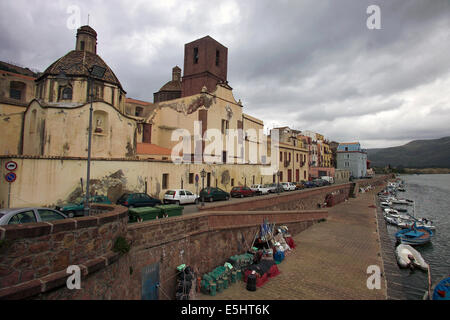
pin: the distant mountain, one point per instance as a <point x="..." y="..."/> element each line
<point x="415" y="154"/>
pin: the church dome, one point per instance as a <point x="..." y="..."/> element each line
<point x="77" y="63"/>
<point x="172" y="85"/>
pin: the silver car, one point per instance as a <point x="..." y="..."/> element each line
<point x="29" y="215"/>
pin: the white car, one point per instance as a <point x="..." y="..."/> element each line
<point x="288" y="186"/>
<point x="260" y="189"/>
<point x="180" y="196"/>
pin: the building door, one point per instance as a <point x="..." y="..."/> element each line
<point x="147" y="133"/>
<point x="289" y="175"/>
<point x="150" y="282"/>
<point x="297" y="175"/>
<point x="208" y="179"/>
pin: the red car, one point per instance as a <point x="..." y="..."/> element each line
<point x="242" y="192"/>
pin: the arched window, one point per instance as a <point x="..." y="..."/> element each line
<point x="33" y="121"/>
<point x="65" y="93"/>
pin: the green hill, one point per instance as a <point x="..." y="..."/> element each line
<point x="415" y="154"/>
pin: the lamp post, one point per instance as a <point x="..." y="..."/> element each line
<point x="278" y="185"/>
<point x="98" y="72"/>
<point x="203" y="174"/>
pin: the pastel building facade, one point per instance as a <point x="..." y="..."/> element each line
<point x="351" y="157"/>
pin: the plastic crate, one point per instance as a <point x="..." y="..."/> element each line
<point x="170" y="210"/>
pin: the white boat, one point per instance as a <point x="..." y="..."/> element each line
<point x="422" y="222"/>
<point x="385" y="204"/>
<point x="402" y="201"/>
<point x="408" y="257"/>
<point x="390" y="211"/>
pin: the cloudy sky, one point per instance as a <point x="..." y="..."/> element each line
<point x="309" y="64"/>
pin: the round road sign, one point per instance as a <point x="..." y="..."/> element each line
<point x="11" y="165"/>
<point x="10" y="177"/>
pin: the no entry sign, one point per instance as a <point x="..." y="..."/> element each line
<point x="11" y="165"/>
<point x="10" y="177"/>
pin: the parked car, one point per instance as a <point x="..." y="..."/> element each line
<point x="132" y="200"/>
<point x="288" y="186"/>
<point x="320" y="182"/>
<point x="77" y="209"/>
<point x="29" y="215"/>
<point x="180" y="196"/>
<point x="271" y="187"/>
<point x="211" y="194"/>
<point x="300" y="185"/>
<point x="310" y="184"/>
<point x="242" y="192"/>
<point x="276" y="188"/>
<point x="260" y="189"/>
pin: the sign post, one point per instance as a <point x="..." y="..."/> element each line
<point x="10" y="177"/>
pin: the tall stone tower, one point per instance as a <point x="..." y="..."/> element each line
<point x="205" y="64"/>
<point x="86" y="39"/>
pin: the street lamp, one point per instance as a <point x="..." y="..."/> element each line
<point x="98" y="72"/>
<point x="278" y="185"/>
<point x="203" y="175"/>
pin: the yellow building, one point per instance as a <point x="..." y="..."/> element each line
<point x="133" y="141"/>
<point x="293" y="156"/>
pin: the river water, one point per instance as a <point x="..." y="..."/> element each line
<point x="431" y="193"/>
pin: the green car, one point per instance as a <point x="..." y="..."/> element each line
<point x="77" y="209"/>
<point x="211" y="194"/>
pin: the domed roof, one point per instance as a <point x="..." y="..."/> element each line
<point x="88" y="30"/>
<point x="173" y="85"/>
<point x="72" y="65"/>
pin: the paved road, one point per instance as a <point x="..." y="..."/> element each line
<point x="192" y="208"/>
<point x="329" y="263"/>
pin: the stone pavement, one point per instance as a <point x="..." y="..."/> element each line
<point x="330" y="261"/>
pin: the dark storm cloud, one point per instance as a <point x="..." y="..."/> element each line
<point x="309" y="64"/>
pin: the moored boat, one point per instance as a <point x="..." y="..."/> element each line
<point x="415" y="235"/>
<point x="408" y="257"/>
<point x="440" y="291"/>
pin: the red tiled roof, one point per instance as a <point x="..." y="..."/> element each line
<point x="144" y="103"/>
<point x="149" y="148"/>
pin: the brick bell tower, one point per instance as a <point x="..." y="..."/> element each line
<point x="205" y="64"/>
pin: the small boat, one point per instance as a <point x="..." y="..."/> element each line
<point x="402" y="202"/>
<point x="401" y="189"/>
<point x="423" y="222"/>
<point x="408" y="257"/>
<point x="414" y="235"/>
<point x="385" y="204"/>
<point x="440" y="291"/>
<point x="390" y="211"/>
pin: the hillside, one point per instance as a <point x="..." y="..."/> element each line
<point x="415" y="154"/>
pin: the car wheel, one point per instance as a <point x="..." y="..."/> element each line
<point x="227" y="198"/>
<point x="71" y="214"/>
<point x="242" y="195"/>
<point x="196" y="201"/>
<point x="177" y="202"/>
<point x="211" y="199"/>
<point x="130" y="207"/>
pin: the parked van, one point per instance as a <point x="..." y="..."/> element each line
<point x="329" y="179"/>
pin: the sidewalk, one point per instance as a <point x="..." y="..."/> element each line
<point x="329" y="263"/>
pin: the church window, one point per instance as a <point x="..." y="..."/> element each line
<point x="217" y="57"/>
<point x="195" y="55"/>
